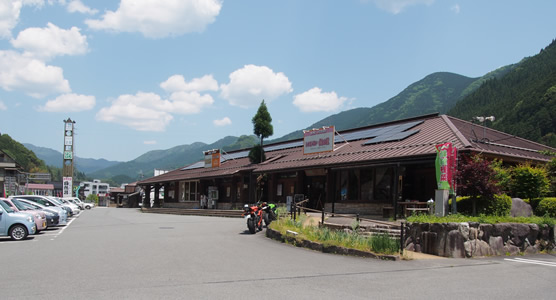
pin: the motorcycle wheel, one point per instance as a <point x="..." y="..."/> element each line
<point x="251" y="226"/>
<point x="260" y="223"/>
<point x="267" y="219"/>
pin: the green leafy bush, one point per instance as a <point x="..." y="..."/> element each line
<point x="497" y="205"/>
<point x="547" y="206"/>
<point x="529" y="182"/>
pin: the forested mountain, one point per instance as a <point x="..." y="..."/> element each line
<point x="523" y="101"/>
<point x="23" y="156"/>
<point x="54" y="158"/>
<point x="169" y="159"/>
<point x="437" y="92"/>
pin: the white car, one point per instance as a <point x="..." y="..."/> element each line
<point x="83" y="205"/>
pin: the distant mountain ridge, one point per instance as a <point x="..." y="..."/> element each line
<point x="54" y="158"/>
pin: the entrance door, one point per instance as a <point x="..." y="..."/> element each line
<point x="316" y="190"/>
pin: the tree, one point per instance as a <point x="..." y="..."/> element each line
<point x="476" y="178"/>
<point x="262" y="127"/>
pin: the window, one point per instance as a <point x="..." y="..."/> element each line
<point x="188" y="191"/>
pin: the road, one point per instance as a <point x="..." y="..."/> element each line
<point x="111" y="253"/>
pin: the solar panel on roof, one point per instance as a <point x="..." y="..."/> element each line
<point x="196" y="165"/>
<point x="390" y="138"/>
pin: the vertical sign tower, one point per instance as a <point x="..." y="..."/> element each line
<point x="67" y="171"/>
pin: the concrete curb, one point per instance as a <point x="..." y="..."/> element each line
<point x="290" y="239"/>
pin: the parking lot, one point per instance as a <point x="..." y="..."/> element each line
<point x="109" y="253"/>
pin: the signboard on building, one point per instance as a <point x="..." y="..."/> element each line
<point x="318" y="140"/>
<point x="212" y="158"/>
<point x="67" y="186"/>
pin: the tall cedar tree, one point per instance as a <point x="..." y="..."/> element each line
<point x="262" y="127"/>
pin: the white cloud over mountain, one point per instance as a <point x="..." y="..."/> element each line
<point x="159" y="19"/>
<point x="315" y="100"/>
<point x="251" y="84"/>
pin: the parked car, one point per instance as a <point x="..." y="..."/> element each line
<point x="74" y="208"/>
<point x="47" y="202"/>
<point x="75" y="201"/>
<point x="82" y="204"/>
<point x="38" y="216"/>
<point x="62" y="205"/>
<point x="52" y="216"/>
<point x="16" y="225"/>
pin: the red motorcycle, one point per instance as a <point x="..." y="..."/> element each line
<point x="254" y="216"/>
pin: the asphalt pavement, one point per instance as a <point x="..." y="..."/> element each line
<point x="117" y="253"/>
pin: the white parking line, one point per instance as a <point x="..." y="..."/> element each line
<point x="531" y="261"/>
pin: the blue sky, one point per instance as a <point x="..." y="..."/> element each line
<point x="141" y="75"/>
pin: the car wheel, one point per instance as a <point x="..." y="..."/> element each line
<point x="88" y="207"/>
<point x="18" y="232"/>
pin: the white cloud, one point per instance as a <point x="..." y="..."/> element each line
<point x="78" y="6"/>
<point x="9" y="16"/>
<point x="251" y="84"/>
<point x="149" y="142"/>
<point x="70" y="103"/>
<point x="30" y="75"/>
<point x="315" y="100"/>
<point x="222" y="122"/>
<point x="456" y="8"/>
<point x="189" y="103"/>
<point x="158" y="19"/>
<point x="149" y="112"/>
<point x="143" y="112"/>
<point x="397" y="6"/>
<point x="177" y="83"/>
<point x="51" y="41"/>
<point x="3" y="106"/>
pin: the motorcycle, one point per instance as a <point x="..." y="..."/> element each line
<point x="254" y="216"/>
<point x="269" y="214"/>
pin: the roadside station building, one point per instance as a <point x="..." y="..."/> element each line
<point x="362" y="170"/>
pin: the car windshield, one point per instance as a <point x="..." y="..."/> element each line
<point x="33" y="204"/>
<point x="19" y="205"/>
<point x="6" y="207"/>
<point x="54" y="201"/>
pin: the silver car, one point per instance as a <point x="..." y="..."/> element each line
<point x="45" y="202"/>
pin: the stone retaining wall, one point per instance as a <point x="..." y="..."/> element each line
<point x="471" y="239"/>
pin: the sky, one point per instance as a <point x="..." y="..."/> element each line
<point x="143" y="75"/>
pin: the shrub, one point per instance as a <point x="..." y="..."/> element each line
<point x="476" y="177"/>
<point x="529" y="182"/>
<point x="547" y="206"/>
<point x="497" y="205"/>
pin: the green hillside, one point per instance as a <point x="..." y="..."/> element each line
<point x="437" y="92"/>
<point x="169" y="159"/>
<point x="523" y="101"/>
<point x="23" y="156"/>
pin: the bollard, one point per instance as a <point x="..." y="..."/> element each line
<point x="401" y="237"/>
<point x="322" y="218"/>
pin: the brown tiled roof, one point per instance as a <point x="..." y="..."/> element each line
<point x="432" y="131"/>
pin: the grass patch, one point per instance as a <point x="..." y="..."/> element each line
<point x="483" y="219"/>
<point x="379" y="244"/>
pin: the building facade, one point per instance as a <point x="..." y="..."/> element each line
<point x="365" y="171"/>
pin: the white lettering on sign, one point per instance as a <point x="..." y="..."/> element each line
<point x="318" y="140"/>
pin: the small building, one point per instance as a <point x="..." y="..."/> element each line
<point x="94" y="187"/>
<point x="364" y="170"/>
<point x="43" y="189"/>
<point x="11" y="175"/>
